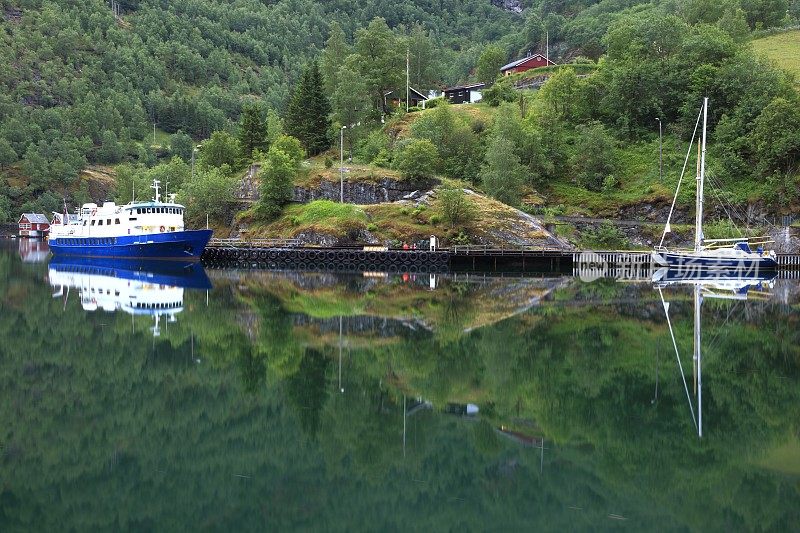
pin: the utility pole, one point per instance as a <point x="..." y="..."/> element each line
<point x="547" y="47"/>
<point x="408" y="76"/>
<point x="341" y="164"/>
<point x="660" y="153"/>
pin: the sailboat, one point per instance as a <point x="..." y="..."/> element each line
<point x="711" y="254"/>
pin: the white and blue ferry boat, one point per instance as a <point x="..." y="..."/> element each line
<point x="151" y="230"/>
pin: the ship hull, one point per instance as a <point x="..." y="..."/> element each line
<point x="177" y="245"/>
<point x="705" y="262"/>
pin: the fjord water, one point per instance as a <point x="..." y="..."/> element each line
<point x="286" y="401"/>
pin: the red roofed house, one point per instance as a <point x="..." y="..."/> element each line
<point x="526" y="63"/>
<point x="33" y="225"/>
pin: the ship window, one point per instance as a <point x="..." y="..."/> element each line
<point x="93" y="222"/>
<point x="100" y="223"/>
<point x="149" y="209"/>
<point x="116" y="221"/>
<point x="108" y="222"/>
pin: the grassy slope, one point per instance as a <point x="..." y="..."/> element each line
<point x="783" y="49"/>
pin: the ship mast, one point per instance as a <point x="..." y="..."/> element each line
<point x="698" y="223"/>
<point x="154" y="186"/>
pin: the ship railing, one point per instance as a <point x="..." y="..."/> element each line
<point x="254" y="243"/>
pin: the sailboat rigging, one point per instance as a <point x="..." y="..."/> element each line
<point x="716" y="254"/>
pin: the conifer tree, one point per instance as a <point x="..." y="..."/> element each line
<point x="252" y="131"/>
<point x="307" y="117"/>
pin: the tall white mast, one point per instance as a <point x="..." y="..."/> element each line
<point x="698" y="222"/>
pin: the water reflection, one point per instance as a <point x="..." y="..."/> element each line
<point x="140" y="288"/>
<point x="33" y="250"/>
<point x="109" y="428"/>
<point x="719" y="284"/>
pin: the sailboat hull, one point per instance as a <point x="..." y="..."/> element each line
<point x="745" y="262"/>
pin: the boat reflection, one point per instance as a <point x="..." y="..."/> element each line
<point x="721" y="284"/>
<point x="149" y="288"/>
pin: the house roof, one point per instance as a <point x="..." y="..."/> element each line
<point x="34" y="218"/>
<point x="465" y="87"/>
<point x="518" y="62"/>
<point x="413" y="90"/>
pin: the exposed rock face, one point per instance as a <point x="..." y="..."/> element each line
<point x="515" y="6"/>
<point x="364" y="192"/>
<point x="248" y="187"/>
<point x="355" y="192"/>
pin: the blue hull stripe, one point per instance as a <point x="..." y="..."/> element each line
<point x="173" y="245"/>
<point x="686" y="262"/>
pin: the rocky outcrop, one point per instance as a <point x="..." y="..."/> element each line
<point x="362" y="192"/>
<point x="515" y="6"/>
<point x="365" y="192"/>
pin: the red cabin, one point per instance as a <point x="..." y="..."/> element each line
<point x="526" y="63"/>
<point x="33" y="225"/>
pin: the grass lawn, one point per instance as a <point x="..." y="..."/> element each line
<point x="783" y="49"/>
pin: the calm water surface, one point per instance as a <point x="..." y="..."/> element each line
<point x="288" y="401"/>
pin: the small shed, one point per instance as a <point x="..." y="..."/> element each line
<point x="465" y="94"/>
<point x="526" y="63"/>
<point x="33" y="225"/>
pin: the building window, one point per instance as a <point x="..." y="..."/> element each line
<point x="100" y="223"/>
<point x="116" y="221"/>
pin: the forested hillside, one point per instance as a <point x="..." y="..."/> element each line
<point x="87" y="88"/>
<point x="83" y="87"/>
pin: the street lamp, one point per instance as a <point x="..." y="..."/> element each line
<point x="341" y="164"/>
<point x="660" y="153"/>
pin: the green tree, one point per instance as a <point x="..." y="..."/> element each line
<point x="333" y="57"/>
<point x="221" y="149"/>
<point x="277" y="177"/>
<point x="423" y="58"/>
<point x="307" y="117"/>
<point x="776" y="137"/>
<point x="501" y="91"/>
<point x="351" y="99"/>
<point x="459" y="147"/>
<point x="292" y="148"/>
<point x="417" y="159"/>
<point x="181" y="145"/>
<point x="274" y="126"/>
<point x="503" y="174"/>
<point x="595" y="156"/>
<point x="764" y="13"/>
<point x="5" y="209"/>
<point x="380" y="59"/>
<point x="111" y="150"/>
<point x="456" y="207"/>
<point x="253" y="131"/>
<point x="734" y="23"/>
<point x="7" y="154"/>
<point x="211" y="193"/>
<point x="491" y="59"/>
<point x="563" y="94"/>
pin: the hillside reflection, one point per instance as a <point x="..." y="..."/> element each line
<point x="299" y="401"/>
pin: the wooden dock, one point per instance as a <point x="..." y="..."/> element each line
<point x="291" y="254"/>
